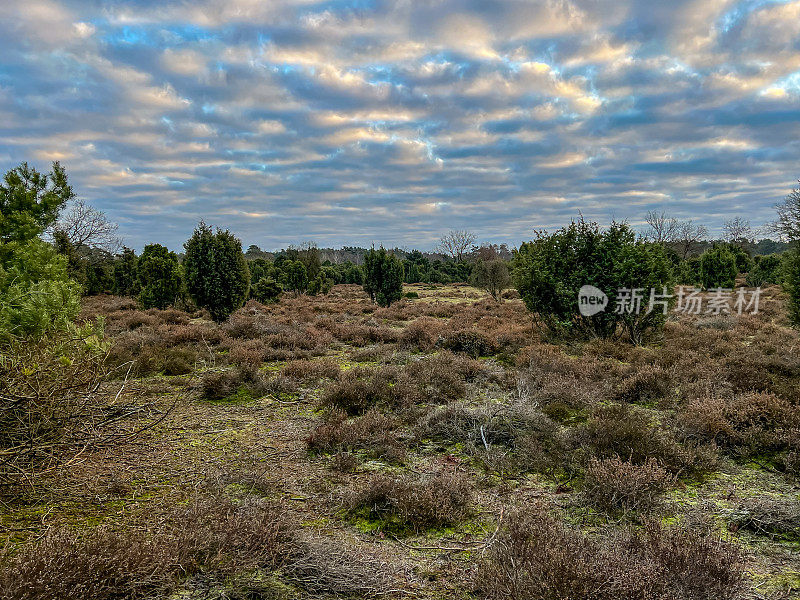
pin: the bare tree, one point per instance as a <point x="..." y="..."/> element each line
<point x="788" y="224"/>
<point x="737" y="231"/>
<point x="86" y="226"/>
<point x="456" y="243"/>
<point x="688" y="236"/>
<point x="662" y="228"/>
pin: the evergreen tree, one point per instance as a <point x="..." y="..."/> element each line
<point x="383" y="276"/>
<point x="159" y="277"/>
<point x="125" y="279"/>
<point x="718" y="267"/>
<point x="295" y="276"/>
<point x="217" y="277"/>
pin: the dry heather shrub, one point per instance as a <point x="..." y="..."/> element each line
<point x="412" y="503"/>
<point x="550" y="377"/>
<point x="145" y="352"/>
<point x="134" y="319"/>
<point x="440" y="378"/>
<point x="537" y="557"/>
<point x="612" y="484"/>
<point x="506" y="438"/>
<point x="620" y="430"/>
<point x="421" y="334"/>
<point x="312" y="369"/>
<point x="468" y="341"/>
<point x="251" y="321"/>
<point x="359" y="389"/>
<point x="180" y="360"/>
<point x="219" y="385"/>
<point x="216" y="385"/>
<point x="748" y="424"/>
<point x="211" y="535"/>
<point x="376" y="353"/>
<point x="648" y="384"/>
<point x="247" y="354"/>
<point x="361" y="334"/>
<point x="777" y="518"/>
<point x="373" y="432"/>
<point x="279" y="386"/>
<point x="171" y="316"/>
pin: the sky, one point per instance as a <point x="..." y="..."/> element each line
<point x="366" y="121"/>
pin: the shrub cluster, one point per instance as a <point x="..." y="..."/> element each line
<point x="612" y="484"/>
<point x="404" y="504"/>
<point x="538" y="557"/>
<point x="549" y="272"/>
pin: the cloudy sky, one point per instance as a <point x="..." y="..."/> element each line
<point x="351" y="122"/>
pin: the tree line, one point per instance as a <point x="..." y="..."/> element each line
<point x="42" y="280"/>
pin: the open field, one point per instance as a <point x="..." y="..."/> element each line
<point x="323" y="446"/>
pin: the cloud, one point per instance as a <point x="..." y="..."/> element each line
<point x="349" y="122"/>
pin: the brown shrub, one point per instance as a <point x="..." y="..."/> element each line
<point x="746" y="424"/>
<point x="212" y="535"/>
<point x="773" y="517"/>
<point x="620" y="430"/>
<point x="359" y="389"/>
<point x="221" y="384"/>
<point x="612" y="484"/>
<point x="146" y="353"/>
<point x="421" y="334"/>
<point x="648" y="384"/>
<point x="249" y="323"/>
<point x="312" y="369"/>
<point x="524" y="438"/>
<point x="438" y="378"/>
<point x="539" y="558"/>
<point x="134" y="319"/>
<point x="180" y="360"/>
<point x="413" y="504"/>
<point x="471" y="342"/>
<point x="216" y="385"/>
<point x="372" y="432"/>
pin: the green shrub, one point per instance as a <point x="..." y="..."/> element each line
<point x="718" y="267"/>
<point x="766" y="270"/>
<point x="217" y="277"/>
<point x="791" y="282"/>
<point x="688" y="272"/>
<point x="266" y="290"/>
<point x="744" y="262"/>
<point x="30" y="201"/>
<point x="126" y="282"/>
<point x="383" y="276"/>
<point x="549" y="272"/>
<point x="294" y="276"/>
<point x="320" y="285"/>
<point x="159" y="276"/>
<point x="36" y="295"/>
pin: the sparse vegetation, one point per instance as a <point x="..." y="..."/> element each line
<point x="333" y="441"/>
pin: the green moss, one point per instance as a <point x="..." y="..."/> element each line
<point x="240" y="396"/>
